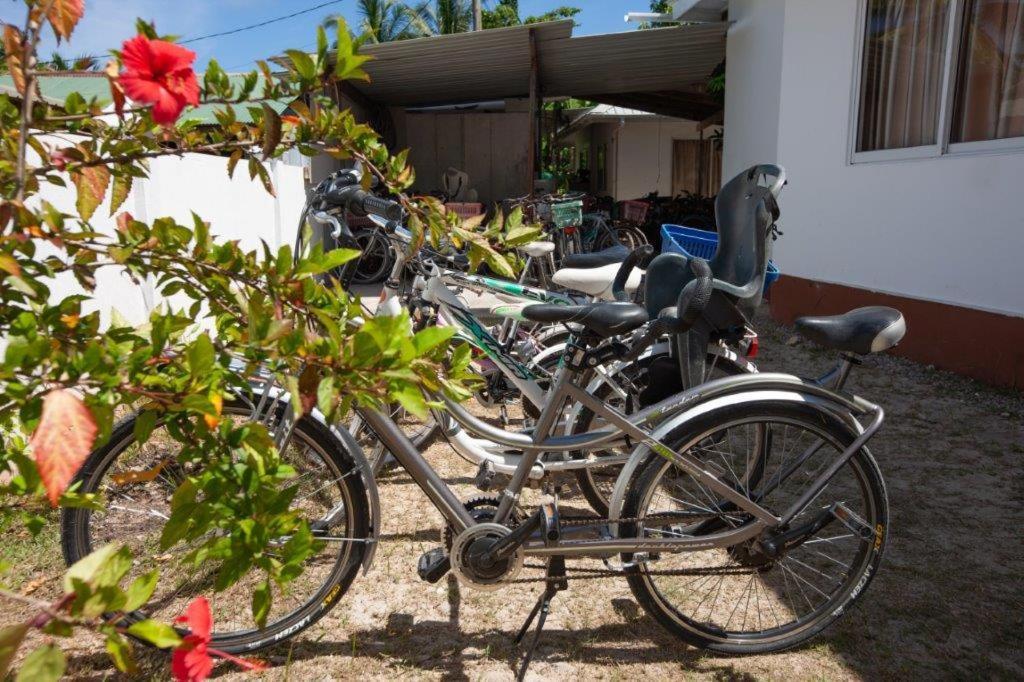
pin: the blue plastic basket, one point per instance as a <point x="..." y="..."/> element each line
<point x="690" y="241"/>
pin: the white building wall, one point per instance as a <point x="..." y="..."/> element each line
<point x="639" y="155"/>
<point x="946" y="229"/>
<point x="753" y="78"/>
<point x="237" y="208"/>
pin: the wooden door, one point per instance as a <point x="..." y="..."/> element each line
<point x="696" y="167"/>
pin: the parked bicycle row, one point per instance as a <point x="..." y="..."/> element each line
<point x="743" y="508"/>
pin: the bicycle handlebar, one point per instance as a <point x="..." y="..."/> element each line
<point x="359" y="201"/>
<point x="641" y="256"/>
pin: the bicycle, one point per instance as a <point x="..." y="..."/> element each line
<point x="725" y="485"/>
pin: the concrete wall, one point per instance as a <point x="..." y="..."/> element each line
<point x="947" y="229"/>
<point x="236" y="208"/>
<point x="753" y="76"/>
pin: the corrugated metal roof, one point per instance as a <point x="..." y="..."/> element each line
<point x="56" y="87"/>
<point x="460" y="67"/>
<point x="495" y="64"/>
<point x="657" y="59"/>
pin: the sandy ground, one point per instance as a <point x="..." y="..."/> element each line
<point x="947" y="602"/>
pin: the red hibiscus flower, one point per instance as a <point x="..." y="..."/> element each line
<point x="192" y="661"/>
<point x="159" y="73"/>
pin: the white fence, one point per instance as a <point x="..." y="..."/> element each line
<point x="237" y="208"/>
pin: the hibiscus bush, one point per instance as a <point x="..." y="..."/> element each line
<point x="64" y="375"/>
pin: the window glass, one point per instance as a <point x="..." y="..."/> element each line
<point x="990" y="78"/>
<point x="901" y="73"/>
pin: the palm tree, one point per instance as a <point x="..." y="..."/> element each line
<point x="385" y="21"/>
<point x="442" y="17"/>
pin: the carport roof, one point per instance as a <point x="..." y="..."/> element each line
<point x="660" y="70"/>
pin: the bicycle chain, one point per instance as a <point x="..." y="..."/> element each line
<point x="598" y="573"/>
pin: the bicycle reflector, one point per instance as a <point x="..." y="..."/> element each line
<point x="752" y="344"/>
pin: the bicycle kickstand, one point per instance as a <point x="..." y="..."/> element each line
<point x="556" y="582"/>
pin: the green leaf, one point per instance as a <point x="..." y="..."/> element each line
<point x="160" y="635"/>
<point x="120" y="651"/>
<point x="141" y="589"/>
<point x="327" y="262"/>
<point x="145" y="422"/>
<point x="524" y="234"/>
<point x="91" y="183"/>
<point x="430" y="338"/>
<point x="200" y="356"/>
<point x="303" y="64"/>
<point x="88" y="567"/>
<point x="233" y="161"/>
<point x="10" y="640"/>
<point x="411" y="398"/>
<point x="119" y="191"/>
<point x="45" y="664"/>
<point x="261" y="600"/>
<point x="325" y="398"/>
<point x="293" y="388"/>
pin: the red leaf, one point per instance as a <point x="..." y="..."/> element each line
<point x="63" y="16"/>
<point x="13" y="48"/>
<point x="62" y="440"/>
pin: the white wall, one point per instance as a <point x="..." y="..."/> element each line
<point x="753" y="75"/>
<point x="945" y="229"/>
<point x="639" y="154"/>
<point x="236" y="208"/>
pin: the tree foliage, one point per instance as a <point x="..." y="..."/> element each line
<point x="64" y="374"/>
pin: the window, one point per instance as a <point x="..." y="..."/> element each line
<point x="901" y="77"/>
<point x="939" y="76"/>
<point x="990" y="75"/>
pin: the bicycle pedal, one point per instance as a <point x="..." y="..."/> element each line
<point x="433" y="565"/>
<point x="487" y="479"/>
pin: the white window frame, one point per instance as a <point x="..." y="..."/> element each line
<point x="943" y="146"/>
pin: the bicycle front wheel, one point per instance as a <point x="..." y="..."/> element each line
<point x="738" y="600"/>
<point x="330" y="496"/>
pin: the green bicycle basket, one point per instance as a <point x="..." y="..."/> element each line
<point x="567" y="213"/>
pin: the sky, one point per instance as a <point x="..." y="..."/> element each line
<point x="109" y="22"/>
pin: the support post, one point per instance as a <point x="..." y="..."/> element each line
<point x="534" y="156"/>
<point x="478" y="16"/>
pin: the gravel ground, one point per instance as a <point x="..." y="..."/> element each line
<point x="947" y="602"/>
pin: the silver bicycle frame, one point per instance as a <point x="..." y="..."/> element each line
<point x="638" y="427"/>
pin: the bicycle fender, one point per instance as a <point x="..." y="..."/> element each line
<point x="674" y="421"/>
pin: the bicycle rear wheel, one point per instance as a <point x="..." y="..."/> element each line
<point x="331" y="496"/>
<point x="738" y="599"/>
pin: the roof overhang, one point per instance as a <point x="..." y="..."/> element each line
<point x="698" y="10"/>
<point x="659" y="70"/>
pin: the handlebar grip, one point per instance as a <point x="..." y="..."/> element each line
<point x="385" y="208"/>
<point x="641" y="256"/>
<point x="361" y="202"/>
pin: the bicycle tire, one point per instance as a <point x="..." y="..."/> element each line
<point x="76" y="543"/>
<point x="705" y="634"/>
